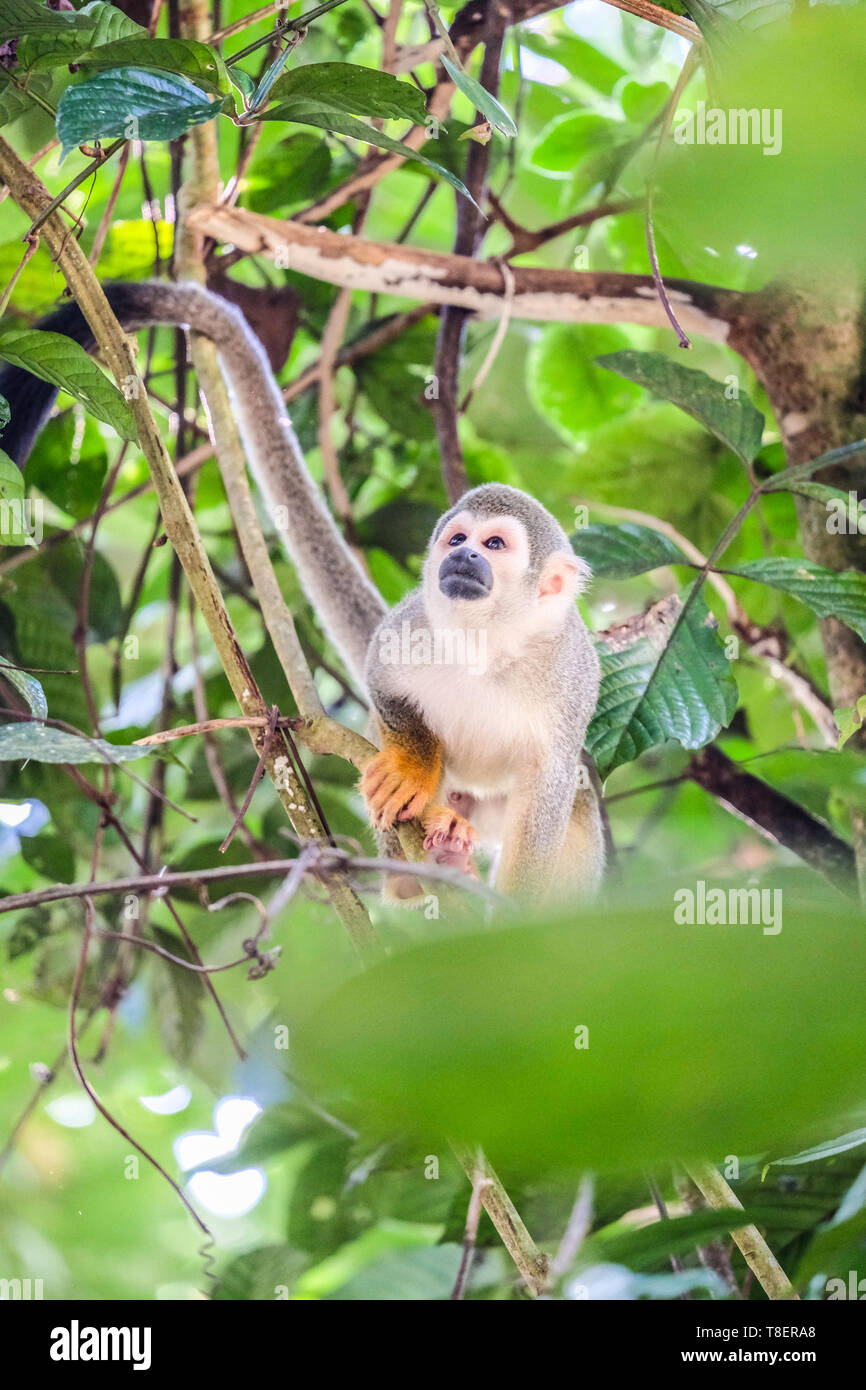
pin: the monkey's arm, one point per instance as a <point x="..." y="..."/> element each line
<point x="341" y="594"/>
<point x="401" y="781"/>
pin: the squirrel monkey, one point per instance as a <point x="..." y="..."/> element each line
<point x="483" y="680"/>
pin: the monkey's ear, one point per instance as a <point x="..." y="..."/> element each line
<point x="563" y="573"/>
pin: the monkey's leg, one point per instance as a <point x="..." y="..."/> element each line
<point x="580" y="866"/>
<point x="448" y="835"/>
<point x="537" y="823"/>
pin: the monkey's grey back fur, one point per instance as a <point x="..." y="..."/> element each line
<point x="346" y="602"/>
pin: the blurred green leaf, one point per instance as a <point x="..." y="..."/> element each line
<point x="700" y="1039"/>
<point x="565" y="384"/>
<point x="267" y="1273"/>
<point x="50" y="856"/>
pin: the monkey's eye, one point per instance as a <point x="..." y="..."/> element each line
<point x="494" y="543"/>
<point x="458" y="539"/>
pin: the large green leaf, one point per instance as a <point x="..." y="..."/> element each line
<point x="582" y="60"/>
<point x="41" y="744"/>
<point x="328" y="118"/>
<point x="481" y="99"/>
<point x="348" y="88"/>
<point x="184" y="57"/>
<point x="735" y="422"/>
<point x="769" y="192"/>
<point x="63" y="45"/>
<point x="662" y="688"/>
<point x="130" y="102"/>
<point x="621" y="552"/>
<point x="54" y="357"/>
<point x="478" y="1036"/>
<point x="829" y="593"/>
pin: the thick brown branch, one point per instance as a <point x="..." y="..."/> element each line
<point x="540" y="293"/>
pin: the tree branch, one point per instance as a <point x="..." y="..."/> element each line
<point x="540" y="293"/>
<point x="775" y="816"/>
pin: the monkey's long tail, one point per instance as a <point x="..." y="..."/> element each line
<point x="348" y="605"/>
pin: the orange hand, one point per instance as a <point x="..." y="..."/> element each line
<point x="397" y="786"/>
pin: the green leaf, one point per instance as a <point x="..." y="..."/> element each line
<point x="568" y="139"/>
<point x="829" y="593"/>
<point x="14" y="102"/>
<point x="659" y="689"/>
<point x="50" y="856"/>
<point x="60" y="46"/>
<point x="565" y="384"/>
<point x="277" y="1129"/>
<point x="26" y="685"/>
<point x="13" y="509"/>
<point x="583" y="60"/>
<point x="425" y="1274"/>
<point x="348" y="88"/>
<point x="481" y="99"/>
<point x="852" y="1140"/>
<point x="177" y="999"/>
<point x="849" y="720"/>
<point x="41" y="744"/>
<point x="69" y="467"/>
<point x="54" y="357"/>
<point x="642" y="103"/>
<point x="327" y="118"/>
<point x="261" y="1275"/>
<point x="475" y="1036"/>
<point x="735" y="422"/>
<point x="5" y="413"/>
<point x="183" y="57"/>
<point x="623" y="551"/>
<point x="291" y="171"/>
<point x="642" y="1248"/>
<point x="20" y="17"/>
<point x="130" y="102"/>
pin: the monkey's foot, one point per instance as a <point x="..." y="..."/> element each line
<point x="396" y="786"/>
<point x="449" y="837"/>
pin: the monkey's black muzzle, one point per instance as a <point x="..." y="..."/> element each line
<point x="465" y="574"/>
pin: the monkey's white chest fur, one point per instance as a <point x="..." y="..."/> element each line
<point x="487" y="723"/>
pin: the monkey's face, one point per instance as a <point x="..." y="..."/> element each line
<point x="479" y="558"/>
<point x="479" y="571"/>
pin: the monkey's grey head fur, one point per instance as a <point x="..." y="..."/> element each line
<point x="543" y="531"/>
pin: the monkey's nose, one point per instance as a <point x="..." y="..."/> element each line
<point x="472" y="555"/>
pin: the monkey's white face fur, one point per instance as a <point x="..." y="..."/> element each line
<point x="517" y="601"/>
